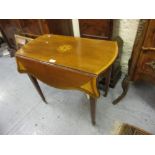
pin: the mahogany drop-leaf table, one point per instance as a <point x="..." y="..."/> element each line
<point x="68" y="63"/>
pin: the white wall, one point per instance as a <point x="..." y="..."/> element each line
<point x="76" y="30"/>
<point x="126" y="29"/>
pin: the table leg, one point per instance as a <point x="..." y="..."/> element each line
<point x="107" y="81"/>
<point x="36" y="85"/>
<point x="125" y="86"/>
<point x="93" y="109"/>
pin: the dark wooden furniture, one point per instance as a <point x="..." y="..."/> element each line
<point x="142" y="61"/>
<point x="103" y="29"/>
<point x="10" y="27"/>
<point x="60" y="26"/>
<point x="57" y="61"/>
<point x="96" y="28"/>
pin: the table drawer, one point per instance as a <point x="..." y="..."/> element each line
<point x="147" y="62"/>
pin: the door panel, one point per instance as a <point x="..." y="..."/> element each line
<point x="96" y="28"/>
<point x="31" y="26"/>
<point x="150" y="35"/>
<point x="60" y="26"/>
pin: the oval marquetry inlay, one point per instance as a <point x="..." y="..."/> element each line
<point x="64" y="48"/>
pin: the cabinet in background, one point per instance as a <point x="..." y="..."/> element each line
<point x="10" y="27"/>
<point x="142" y="61"/>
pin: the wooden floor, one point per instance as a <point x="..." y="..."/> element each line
<point x="67" y="112"/>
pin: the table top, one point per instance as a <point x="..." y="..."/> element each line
<point x="88" y="55"/>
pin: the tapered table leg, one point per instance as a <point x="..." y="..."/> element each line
<point x="125" y="86"/>
<point x="36" y="85"/>
<point x="93" y="109"/>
